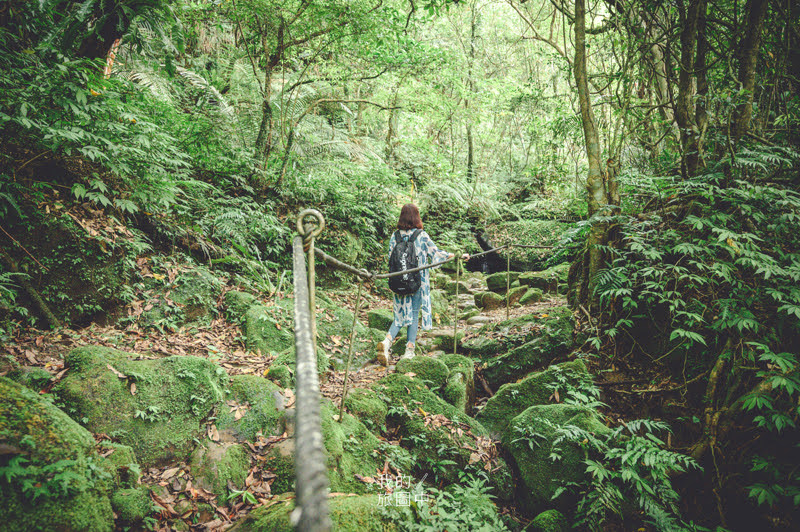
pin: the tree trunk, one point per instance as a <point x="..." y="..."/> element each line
<point x="684" y="108"/>
<point x="748" y="54"/>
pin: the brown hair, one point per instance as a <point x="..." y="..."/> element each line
<point x="409" y="218"/>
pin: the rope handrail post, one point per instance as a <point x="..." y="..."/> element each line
<point x="311" y="509"/>
<point x="455" y="318"/>
<point x="508" y="282"/>
<point x="350" y="349"/>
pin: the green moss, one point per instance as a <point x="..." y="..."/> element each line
<point x="132" y="505"/>
<point x="535" y="389"/>
<point x="441" y="310"/>
<point x="459" y="392"/>
<point x="288" y="361"/>
<point x="469" y="312"/>
<point x="444" y="340"/>
<point x="430" y="370"/>
<point x="548" y="521"/>
<point x="266" y="330"/>
<point x="482" y="346"/>
<point x="237" y="303"/>
<point x="540" y="474"/>
<point x="31" y="377"/>
<point x="516" y="293"/>
<point x="174" y="396"/>
<point x="411" y="403"/>
<point x="194" y="293"/>
<point x="489" y="300"/>
<point x="380" y="319"/>
<point x="496" y="282"/>
<point x="348" y="514"/>
<point x="64" y="453"/>
<point x="533" y="295"/>
<point x="537" y="232"/>
<point x="264" y="402"/>
<point x="365" y="404"/>
<point x="215" y="465"/>
<point x="121" y="465"/>
<point x="546" y="280"/>
<point x="449" y="287"/>
<point x="281" y="375"/>
<point x="455" y="392"/>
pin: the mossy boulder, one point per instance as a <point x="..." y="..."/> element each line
<point x="482" y="346"/>
<point x="469" y="313"/>
<point x="532" y="295"/>
<point x="59" y="456"/>
<point x="450" y="287"/>
<point x="547" y="280"/>
<point x="160" y="417"/>
<point x="548" y="521"/>
<point x="437" y="430"/>
<point x="282" y="369"/>
<point x="460" y="388"/>
<point x="428" y="369"/>
<point x="237" y="303"/>
<point x="132" y="505"/>
<point x="32" y="377"/>
<point x="542" y="475"/>
<point x="551" y="338"/>
<point x="365" y="404"/>
<point x="216" y="465"/>
<point x="489" y="300"/>
<point x="348" y="514"/>
<point x="535" y="389"/>
<point x="496" y="282"/>
<point x="380" y="319"/>
<point x="350" y="448"/>
<point x="121" y="465"/>
<point x="516" y="293"/>
<point x="267" y="330"/>
<point x="444" y="339"/>
<point x="259" y="405"/>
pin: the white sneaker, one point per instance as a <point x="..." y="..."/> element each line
<point x="409" y="352"/>
<point x="383" y="353"/>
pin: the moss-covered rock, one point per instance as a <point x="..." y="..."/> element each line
<point x="455" y="392"/>
<point x="132" y="505"/>
<point x="121" y="465"/>
<point x="365" y="404"/>
<point x="431" y="426"/>
<point x="469" y="313"/>
<point x="282" y="369"/>
<point x="516" y="293"/>
<point x="533" y="295"/>
<point x="535" y="389"/>
<point x="348" y="514"/>
<point x="161" y="417"/>
<point x="552" y="338"/>
<point x="380" y="319"/>
<point x="267" y="330"/>
<point x="546" y="280"/>
<point x="528" y="231"/>
<point x="237" y="303"/>
<point x="431" y="371"/>
<point x="261" y="402"/>
<point x="540" y="474"/>
<point x="441" y="310"/>
<point x="66" y="483"/>
<point x="443" y="339"/>
<point x="460" y="388"/>
<point x="489" y="300"/>
<point x="31" y="377"/>
<point x="548" y="521"/>
<point x="450" y="287"/>
<point x="482" y="346"/>
<point x="496" y="282"/>
<point x="215" y="465"/>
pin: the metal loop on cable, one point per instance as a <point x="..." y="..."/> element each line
<point x="308" y="230"/>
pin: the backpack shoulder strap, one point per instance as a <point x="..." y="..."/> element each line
<point x="414" y="235"/>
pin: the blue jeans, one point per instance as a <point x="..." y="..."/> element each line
<point x="416" y="303"/>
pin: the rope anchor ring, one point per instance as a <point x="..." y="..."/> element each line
<point x="306" y="230"/>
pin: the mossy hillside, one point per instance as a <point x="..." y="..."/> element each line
<point x="174" y="396"/>
<point x="431" y="371"/>
<point x="132" y="505"/>
<point x="266" y="331"/>
<point x="61" y="459"/>
<point x="539" y="472"/>
<point x="548" y="521"/>
<point x="237" y="304"/>
<point x="535" y="389"/>
<point x="216" y="465"/>
<point x="282" y="369"/>
<point x="350" y="449"/>
<point x="411" y="405"/>
<point x="264" y="413"/>
<point x="365" y="404"/>
<point x="193" y="293"/>
<point x="348" y="514"/>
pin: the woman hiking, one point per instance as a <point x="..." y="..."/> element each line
<point x="413" y="310"/>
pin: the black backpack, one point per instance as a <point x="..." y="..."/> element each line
<point x="404" y="257"/>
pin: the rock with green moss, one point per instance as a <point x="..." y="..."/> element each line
<point x="31" y="377"/>
<point x="546" y="280"/>
<point x="431" y="426"/>
<point x="267" y="330"/>
<point x="489" y="300"/>
<point x="535" y="389"/>
<point x="348" y="514"/>
<point x="441" y="310"/>
<point x="380" y="319"/>
<point x="351" y="450"/>
<point x="132" y="505"/>
<point x="551" y="338"/>
<point x="516" y="294"/>
<point x="482" y="347"/>
<point x="455" y="392"/>
<point x="121" y="465"/>
<point x="530" y="439"/>
<point x="497" y="281"/>
<point x="160" y="417"/>
<point x="190" y="297"/>
<point x="533" y="295"/>
<point x="469" y="313"/>
<point x="450" y="287"/>
<point x="61" y="484"/>
<point x="215" y="466"/>
<point x="281" y="370"/>
<point x="548" y="521"/>
<point x="259" y="405"/>
<point x="460" y="388"/>
<point x="237" y="303"/>
<point x="431" y="371"/>
<point x="443" y="339"/>
<point x="365" y="404"/>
